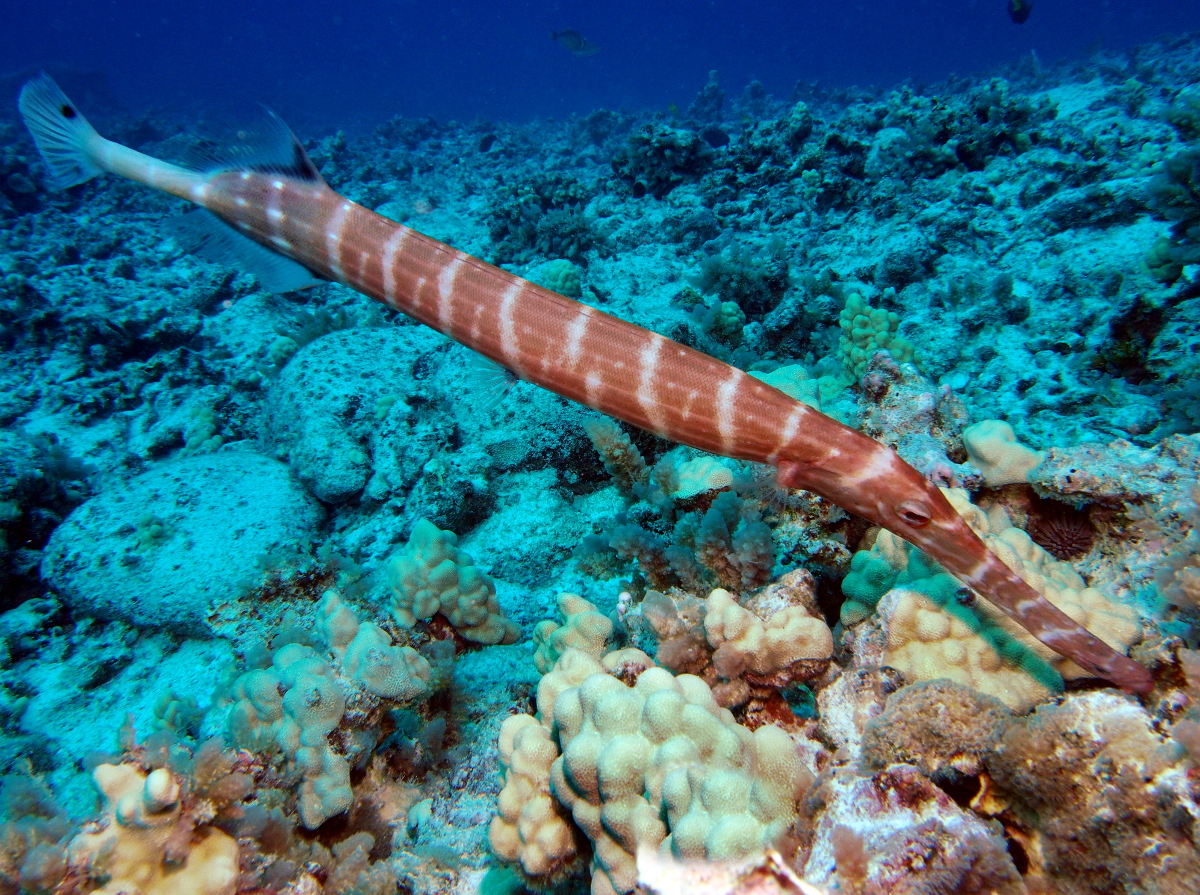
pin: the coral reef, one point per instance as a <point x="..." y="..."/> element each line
<point x="290" y="544"/>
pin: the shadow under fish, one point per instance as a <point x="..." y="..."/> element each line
<point x="575" y="42"/>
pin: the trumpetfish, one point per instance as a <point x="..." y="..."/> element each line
<point x="275" y="214"/>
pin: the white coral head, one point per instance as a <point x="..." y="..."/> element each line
<point x="161" y="791"/>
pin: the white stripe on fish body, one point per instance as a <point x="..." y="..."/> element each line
<point x="333" y="240"/>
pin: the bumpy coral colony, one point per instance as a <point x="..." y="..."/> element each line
<point x="848" y="674"/>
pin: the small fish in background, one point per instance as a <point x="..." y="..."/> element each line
<point x="1019" y="10"/>
<point x="575" y="42"/>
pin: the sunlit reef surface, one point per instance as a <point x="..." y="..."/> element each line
<point x="188" y="465"/>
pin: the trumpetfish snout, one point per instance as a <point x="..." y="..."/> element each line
<point x="273" y="214"/>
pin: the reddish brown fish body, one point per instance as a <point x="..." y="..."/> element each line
<point x="642" y="378"/>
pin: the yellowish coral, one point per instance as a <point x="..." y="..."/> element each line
<point x="795" y="381"/>
<point x="294" y="706"/>
<point x="657" y="765"/>
<point x="866" y="330"/>
<point x="788" y="636"/>
<point x="368" y="655"/>
<point x="141" y="814"/>
<point x="926" y="642"/>
<point x="430" y="575"/>
<point x="531" y="827"/>
<point x="586" y="629"/>
<point x="993" y="449"/>
<point x="700" y="476"/>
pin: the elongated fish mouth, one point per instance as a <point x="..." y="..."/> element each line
<point x="271" y="213"/>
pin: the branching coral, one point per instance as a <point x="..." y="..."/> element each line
<point x="753" y="278"/>
<point x="147" y="844"/>
<point x="622" y="460"/>
<point x="585" y="629"/>
<point x="709" y="529"/>
<point x="34" y="832"/>
<point x="541" y="215"/>
<point x="658" y="158"/>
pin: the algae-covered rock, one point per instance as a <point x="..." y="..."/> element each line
<point x="158" y="550"/>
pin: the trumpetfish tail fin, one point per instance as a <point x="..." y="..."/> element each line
<point x="65" y="139"/>
<point x="74" y="153"/>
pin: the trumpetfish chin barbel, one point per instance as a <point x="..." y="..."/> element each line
<point x="274" y="214"/>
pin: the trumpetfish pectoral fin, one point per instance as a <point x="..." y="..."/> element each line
<point x="206" y="235"/>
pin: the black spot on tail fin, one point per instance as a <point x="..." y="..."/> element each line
<point x="63" y="136"/>
<point x="272" y="148"/>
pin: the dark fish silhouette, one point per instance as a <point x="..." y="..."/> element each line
<point x="714" y="136"/>
<point x="1019" y="10"/>
<point x="575" y="42"/>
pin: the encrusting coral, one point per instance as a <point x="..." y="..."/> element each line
<point x="1099" y="798"/>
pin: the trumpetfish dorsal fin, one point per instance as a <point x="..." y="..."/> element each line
<point x="270" y="149"/>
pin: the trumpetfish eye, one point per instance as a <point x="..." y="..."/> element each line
<point x="914" y="512"/>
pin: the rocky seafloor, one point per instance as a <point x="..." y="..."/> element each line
<point x="282" y="590"/>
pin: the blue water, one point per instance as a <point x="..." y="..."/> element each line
<point x="339" y="61"/>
